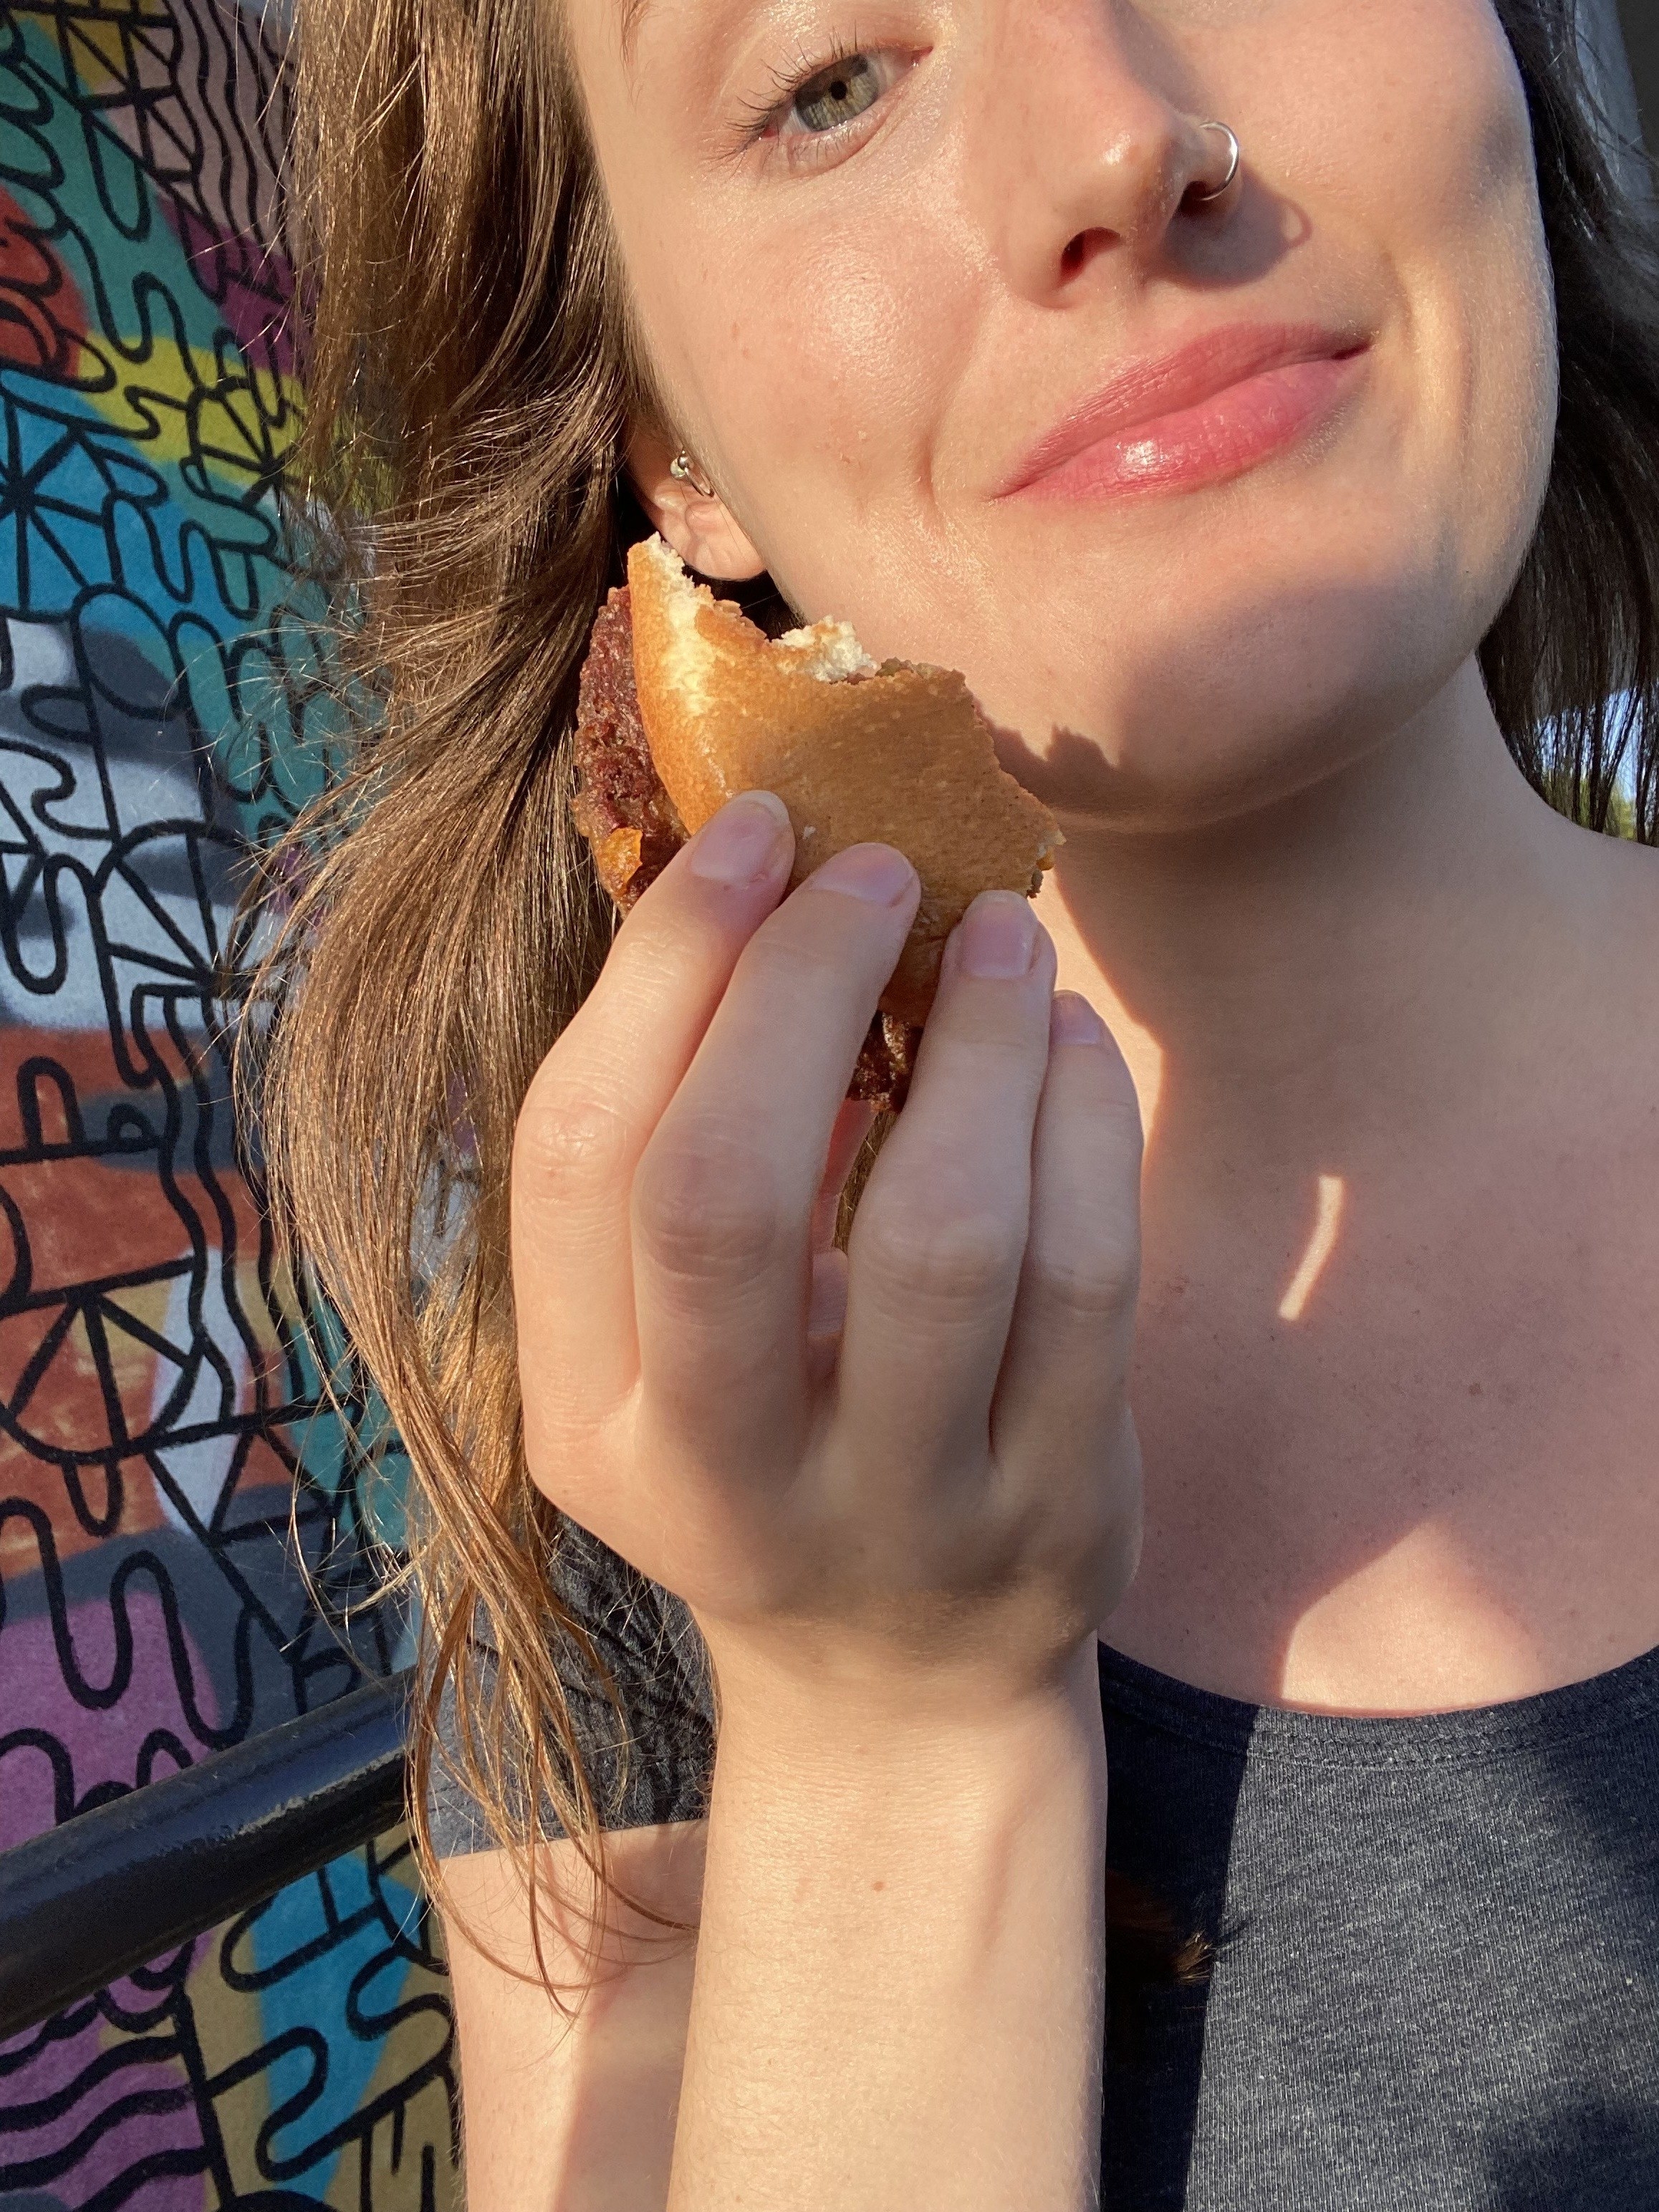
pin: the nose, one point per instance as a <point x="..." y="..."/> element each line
<point x="1079" y="148"/>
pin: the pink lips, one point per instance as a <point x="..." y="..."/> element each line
<point x="1209" y="410"/>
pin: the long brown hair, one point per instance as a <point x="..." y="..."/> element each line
<point x="471" y="368"/>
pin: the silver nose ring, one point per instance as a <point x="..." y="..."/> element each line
<point x="1220" y="191"/>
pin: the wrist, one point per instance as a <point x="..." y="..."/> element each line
<point x="879" y="1744"/>
<point x="902" y="1917"/>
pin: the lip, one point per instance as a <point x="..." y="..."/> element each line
<point x="1211" y="409"/>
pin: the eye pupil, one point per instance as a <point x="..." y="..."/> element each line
<point x="840" y="93"/>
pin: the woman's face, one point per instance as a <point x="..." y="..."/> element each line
<point x="1203" y="500"/>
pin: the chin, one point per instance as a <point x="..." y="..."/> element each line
<point x="1220" y="717"/>
<point x="1237" y="641"/>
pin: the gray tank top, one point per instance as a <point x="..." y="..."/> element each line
<point x="1434" y="1974"/>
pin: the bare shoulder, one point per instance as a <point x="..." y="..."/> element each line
<point x="570" y="2094"/>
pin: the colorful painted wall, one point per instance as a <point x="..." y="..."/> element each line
<point x="161" y="1454"/>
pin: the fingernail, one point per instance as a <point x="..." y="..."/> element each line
<point x="875" y="873"/>
<point x="746" y="841"/>
<point x="1072" y="1020"/>
<point x="998" y="937"/>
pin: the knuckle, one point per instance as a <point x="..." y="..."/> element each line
<point x="1000" y="1059"/>
<point x="789" y="965"/>
<point x="818" y="935"/>
<point x="568" y="1143"/>
<point x="1098" y="1284"/>
<point x="997" y="1032"/>
<point x="946" y="1261"/>
<point x="705" y="1205"/>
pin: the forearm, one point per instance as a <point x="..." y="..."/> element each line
<point x="898" y="1992"/>
<point x="569" y="2101"/>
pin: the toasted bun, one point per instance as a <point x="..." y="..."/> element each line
<point x="896" y="755"/>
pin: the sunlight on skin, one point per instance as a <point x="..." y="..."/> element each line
<point x="1332" y="1192"/>
<point x="1141" y="1051"/>
<point x="1371" y="1611"/>
<point x="1077" y="971"/>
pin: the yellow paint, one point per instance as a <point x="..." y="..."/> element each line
<point x="106" y="38"/>
<point x="180" y="404"/>
<point x="227" y="2027"/>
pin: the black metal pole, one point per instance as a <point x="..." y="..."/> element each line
<point x="125" y="1883"/>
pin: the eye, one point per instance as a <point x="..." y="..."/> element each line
<point x="819" y="110"/>
<point x="837" y="93"/>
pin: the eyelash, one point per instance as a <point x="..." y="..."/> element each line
<point x="761" y="115"/>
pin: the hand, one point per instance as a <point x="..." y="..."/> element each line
<point x="913" y="1465"/>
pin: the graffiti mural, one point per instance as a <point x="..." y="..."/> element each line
<point x="165" y="1467"/>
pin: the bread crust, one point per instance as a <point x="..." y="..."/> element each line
<point x="621" y="808"/>
<point x="900" y="755"/>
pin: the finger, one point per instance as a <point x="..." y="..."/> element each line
<point x="599" y="1094"/>
<point x="853" y="1123"/>
<point x="826" y="1315"/>
<point x="827" y="1300"/>
<point x="939" y="1237"/>
<point x="724" y="1198"/>
<point x="1060" y="1405"/>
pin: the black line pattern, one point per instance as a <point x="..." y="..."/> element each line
<point x="162" y="710"/>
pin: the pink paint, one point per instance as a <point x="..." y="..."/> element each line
<point x="102" y="1745"/>
<point x="98" y="2133"/>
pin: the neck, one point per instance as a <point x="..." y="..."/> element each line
<point x="1332" y="963"/>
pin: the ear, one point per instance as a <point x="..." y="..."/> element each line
<point x="697" y="525"/>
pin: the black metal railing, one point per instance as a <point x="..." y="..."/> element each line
<point x="128" y="1881"/>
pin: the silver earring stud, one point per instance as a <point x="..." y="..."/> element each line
<point x="1220" y="190"/>
<point x="684" y="470"/>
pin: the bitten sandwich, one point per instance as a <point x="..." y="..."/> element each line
<point x="684" y="703"/>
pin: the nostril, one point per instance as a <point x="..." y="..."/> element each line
<point x="1081" y="249"/>
<point x="1199" y="199"/>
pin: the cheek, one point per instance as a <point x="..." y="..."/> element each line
<point x="820" y="359"/>
<point x="1435" y="164"/>
<point x="810" y="345"/>
<point x="809" y="366"/>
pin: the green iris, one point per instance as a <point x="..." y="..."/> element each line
<point x="837" y="93"/>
